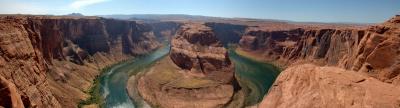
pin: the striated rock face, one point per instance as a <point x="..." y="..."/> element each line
<point x="23" y="64"/>
<point x="324" y="46"/>
<point x="197" y="49"/>
<point x="164" y="30"/>
<point x="227" y="33"/>
<point x="51" y="60"/>
<point x="311" y="86"/>
<point x="378" y="53"/>
<point x="197" y="73"/>
<point x="366" y="72"/>
<point x="9" y="98"/>
<point x="374" y="50"/>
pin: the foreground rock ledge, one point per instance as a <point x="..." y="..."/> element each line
<point x="310" y="86"/>
<point x="197" y="73"/>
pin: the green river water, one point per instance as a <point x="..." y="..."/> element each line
<point x="256" y="77"/>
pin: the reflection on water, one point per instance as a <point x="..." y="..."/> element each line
<point x="113" y="82"/>
<point x="256" y="77"/>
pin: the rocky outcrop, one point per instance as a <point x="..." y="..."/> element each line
<point x="323" y="46"/>
<point x="197" y="73"/>
<point x="23" y="64"/>
<point x="311" y="86"/>
<point x="378" y="53"/>
<point x="373" y="50"/>
<point x="52" y="59"/>
<point x="365" y="72"/>
<point x="197" y="49"/>
<point x="10" y="98"/>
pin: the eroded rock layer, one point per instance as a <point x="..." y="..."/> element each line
<point x="52" y="60"/>
<point x="197" y="49"/>
<point x="365" y="73"/>
<point x="311" y="86"/>
<point x="374" y="50"/>
<point x="197" y="73"/>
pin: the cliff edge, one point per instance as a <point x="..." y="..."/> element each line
<point x="196" y="74"/>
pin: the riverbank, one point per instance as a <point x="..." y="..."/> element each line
<point x="95" y="98"/>
<point x="178" y="85"/>
<point x="258" y="57"/>
<point x="114" y="82"/>
<point x="255" y="77"/>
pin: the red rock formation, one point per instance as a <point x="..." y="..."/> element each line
<point x="378" y="52"/>
<point x="44" y="56"/>
<point x="311" y="86"/>
<point x="9" y="96"/>
<point x="327" y="46"/>
<point x="197" y="49"/>
<point x="197" y="73"/>
<point x="23" y="64"/>
<point x="373" y="50"/>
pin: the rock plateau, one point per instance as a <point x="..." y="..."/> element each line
<point x="196" y="74"/>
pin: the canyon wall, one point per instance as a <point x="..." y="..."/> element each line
<point x="164" y="30"/>
<point x="373" y="51"/>
<point x="197" y="73"/>
<point x="361" y="64"/>
<point x="52" y="60"/>
<point x="227" y="33"/>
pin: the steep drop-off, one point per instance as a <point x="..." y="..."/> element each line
<point x="52" y="60"/>
<point x="370" y="57"/>
<point x="373" y="50"/>
<point x="197" y="73"/>
<point x="227" y="33"/>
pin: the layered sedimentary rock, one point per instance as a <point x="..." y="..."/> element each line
<point x="324" y="46"/>
<point x="311" y="86"/>
<point x="374" y="50"/>
<point x="227" y="33"/>
<point x="164" y="30"/>
<point x="52" y="60"/>
<point x="197" y="73"/>
<point x="197" y="50"/>
<point x="10" y="98"/>
<point x="370" y="57"/>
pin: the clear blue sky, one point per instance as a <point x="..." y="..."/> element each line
<point x="361" y="11"/>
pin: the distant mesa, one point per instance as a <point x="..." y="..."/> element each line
<point x="75" y="14"/>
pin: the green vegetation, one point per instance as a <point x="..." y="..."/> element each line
<point x="193" y="83"/>
<point x="164" y="71"/>
<point x="94" y="91"/>
<point x="95" y="97"/>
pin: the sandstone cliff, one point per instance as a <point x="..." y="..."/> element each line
<point x="374" y="50"/>
<point x="198" y="50"/>
<point x="51" y="59"/>
<point x="311" y="86"/>
<point x="324" y="46"/>
<point x="365" y="72"/>
<point x="197" y="73"/>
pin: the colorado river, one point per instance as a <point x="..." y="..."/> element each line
<point x="113" y="82"/>
<point x="254" y="76"/>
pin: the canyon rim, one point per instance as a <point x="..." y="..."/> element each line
<point x="217" y="59"/>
